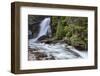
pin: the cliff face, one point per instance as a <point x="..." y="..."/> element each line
<point x="33" y="24"/>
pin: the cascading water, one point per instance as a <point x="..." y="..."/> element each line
<point x="51" y="51"/>
<point x="44" y="29"/>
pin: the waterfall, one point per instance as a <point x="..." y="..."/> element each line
<point x="44" y="29"/>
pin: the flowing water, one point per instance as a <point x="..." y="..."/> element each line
<point x="55" y="51"/>
<point x="44" y="29"/>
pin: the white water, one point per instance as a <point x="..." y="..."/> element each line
<point x="58" y="50"/>
<point x="44" y="29"/>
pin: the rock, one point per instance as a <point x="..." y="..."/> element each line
<point x="43" y="38"/>
<point x="50" y="58"/>
<point x="40" y="55"/>
<point x="46" y="41"/>
<point x="35" y="54"/>
<point x="34" y="24"/>
<point x="80" y="47"/>
<point x="33" y="49"/>
<point x="53" y="40"/>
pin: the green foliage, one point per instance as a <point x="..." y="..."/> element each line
<point x="74" y="29"/>
<point x="60" y="31"/>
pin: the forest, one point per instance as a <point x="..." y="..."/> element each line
<point x="73" y="30"/>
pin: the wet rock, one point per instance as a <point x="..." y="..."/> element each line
<point x="43" y="38"/>
<point x="46" y="41"/>
<point x="33" y="49"/>
<point x="50" y="58"/>
<point x="80" y="47"/>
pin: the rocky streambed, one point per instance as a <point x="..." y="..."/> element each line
<point x="57" y="51"/>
